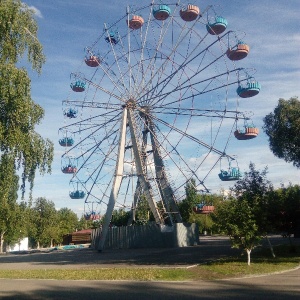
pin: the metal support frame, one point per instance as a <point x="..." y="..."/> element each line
<point x="141" y="169"/>
<point x="165" y="188"/>
<point x="128" y="117"/>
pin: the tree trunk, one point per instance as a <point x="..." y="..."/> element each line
<point x="1" y="242"/>
<point x="271" y="247"/>
<point x="248" y="254"/>
<point x="38" y="244"/>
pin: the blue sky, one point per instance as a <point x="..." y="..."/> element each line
<point x="67" y="27"/>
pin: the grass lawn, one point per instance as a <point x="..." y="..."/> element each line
<point x="262" y="263"/>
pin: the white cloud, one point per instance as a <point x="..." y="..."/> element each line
<point x="36" y="11"/>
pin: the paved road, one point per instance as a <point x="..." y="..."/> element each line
<point x="275" y="287"/>
<point x="280" y="286"/>
<point x="210" y="248"/>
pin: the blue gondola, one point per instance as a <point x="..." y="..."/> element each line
<point x="218" y="26"/>
<point x="162" y="12"/>
<point x="70" y="113"/>
<point x="250" y="90"/>
<point x="66" y="142"/>
<point x="78" y="86"/>
<point x="230" y="175"/>
<point x="113" y="37"/>
<point x="77" y="194"/>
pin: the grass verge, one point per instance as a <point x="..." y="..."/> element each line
<point x="138" y="274"/>
<point x="262" y="263"/>
<point x="287" y="258"/>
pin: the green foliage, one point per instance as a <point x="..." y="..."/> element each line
<point x="204" y="221"/>
<point x="282" y="126"/>
<point x="143" y="211"/>
<point x="274" y="210"/>
<point x="284" y="208"/>
<point x="44" y="220"/>
<point x="18" y="30"/>
<point x="236" y="219"/>
<point x="22" y="150"/>
<point x="18" y="223"/>
<point x="241" y="227"/>
<point x="253" y="185"/>
<point x="83" y="224"/>
<point x="67" y="223"/>
<point x="245" y="218"/>
<point x="120" y="217"/>
<point x="8" y="196"/>
<point x="191" y="200"/>
<point x="254" y="188"/>
<point x="47" y="225"/>
<point x="18" y="113"/>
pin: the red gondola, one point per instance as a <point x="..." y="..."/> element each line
<point x="190" y="13"/>
<point x="136" y="22"/>
<point x="238" y="53"/>
<point x="92" y="61"/>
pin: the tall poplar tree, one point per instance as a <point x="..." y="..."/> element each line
<point x="22" y="150"/>
<point x="282" y="127"/>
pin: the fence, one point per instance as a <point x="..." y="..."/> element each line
<point x="148" y="236"/>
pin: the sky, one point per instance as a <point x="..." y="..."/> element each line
<point x="271" y="28"/>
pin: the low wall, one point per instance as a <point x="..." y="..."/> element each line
<point x="148" y="236"/>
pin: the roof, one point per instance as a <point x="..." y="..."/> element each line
<point x="85" y="231"/>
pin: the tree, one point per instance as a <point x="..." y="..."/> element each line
<point x="205" y="222"/>
<point x="44" y="219"/>
<point x="254" y="188"/>
<point x="22" y="149"/>
<point x="18" y="224"/>
<point x="235" y="218"/>
<point x="245" y="218"/>
<point x="284" y="208"/>
<point x="8" y="197"/>
<point x="67" y="223"/>
<point x="120" y="217"/>
<point x="83" y="224"/>
<point x="143" y="211"/>
<point x="282" y="127"/>
<point x="18" y="113"/>
<point x="191" y="200"/>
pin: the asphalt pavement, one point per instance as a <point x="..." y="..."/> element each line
<point x="285" y="285"/>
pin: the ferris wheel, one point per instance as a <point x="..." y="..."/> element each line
<point x="154" y="104"/>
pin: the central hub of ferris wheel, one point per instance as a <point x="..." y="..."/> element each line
<point x="130" y="104"/>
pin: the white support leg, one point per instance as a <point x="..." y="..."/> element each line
<point x="116" y="183"/>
